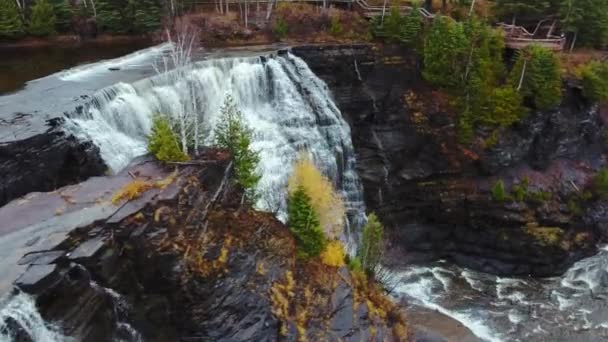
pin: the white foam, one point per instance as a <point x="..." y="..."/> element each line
<point x="139" y="58"/>
<point x="22" y="310"/>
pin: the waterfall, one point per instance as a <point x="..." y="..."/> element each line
<point x="288" y="108"/>
<point x="19" y="312"/>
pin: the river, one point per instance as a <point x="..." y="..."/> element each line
<point x="291" y="109"/>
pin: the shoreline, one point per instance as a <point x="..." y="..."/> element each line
<point x="72" y="41"/>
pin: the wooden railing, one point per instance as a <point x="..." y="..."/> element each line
<point x="517" y="37"/>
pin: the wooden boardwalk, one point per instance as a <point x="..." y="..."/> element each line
<point x="516" y="37"/>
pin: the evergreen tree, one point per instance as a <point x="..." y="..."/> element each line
<point x="42" y="20"/>
<point x="304" y="223"/>
<point x="63" y="14"/>
<point x="233" y="135"/>
<point x="412" y="27"/>
<point x="537" y="75"/>
<point x="11" y="25"/>
<point x="594" y="77"/>
<point x="525" y="9"/>
<point x="162" y="142"/>
<point x="147" y="16"/>
<point x="586" y="21"/>
<point x="371" y="248"/>
<point x="445" y="54"/>
<point x="115" y="16"/>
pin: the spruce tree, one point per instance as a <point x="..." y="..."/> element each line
<point x="42" y="20"/>
<point x="537" y="75"/>
<point x="233" y="135"/>
<point x="63" y="14"/>
<point x="304" y="223"/>
<point x="586" y="21"/>
<point x="114" y="16"/>
<point x="514" y="10"/>
<point x="11" y="25"/>
<point x="371" y="248"/>
<point x="163" y="143"/>
<point x="147" y="16"/>
<point x="412" y="27"/>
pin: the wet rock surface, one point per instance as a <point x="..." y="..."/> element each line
<point x="46" y="161"/>
<point x="190" y="263"/>
<point x="434" y="194"/>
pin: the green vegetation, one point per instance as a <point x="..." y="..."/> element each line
<point x="371" y="247"/>
<point x="280" y="28"/>
<point x="305" y="225"/>
<point x="520" y="191"/>
<point x="335" y="27"/>
<point x="163" y="143"/>
<point x="594" y="77"/>
<point x="11" y="25"/>
<point x="537" y="74"/>
<point x="233" y="135"/>
<point x="397" y="28"/>
<point x="63" y="14"/>
<point x="600" y="184"/>
<point x="147" y="16"/>
<point x="586" y="21"/>
<point x="498" y="191"/>
<point x="42" y="21"/>
<point x="465" y="59"/>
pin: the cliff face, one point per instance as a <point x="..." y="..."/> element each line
<point x="45" y="161"/>
<point x="434" y="195"/>
<point x="186" y="261"/>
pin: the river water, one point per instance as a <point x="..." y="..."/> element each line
<point x="290" y="109"/>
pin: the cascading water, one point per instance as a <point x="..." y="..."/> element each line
<point x="20" y="311"/>
<point x="286" y="105"/>
<point x="572" y="307"/>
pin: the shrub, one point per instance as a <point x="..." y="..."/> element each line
<point x="594" y="77"/>
<point x="354" y="264"/>
<point x="42" y="20"/>
<point x="11" y="25"/>
<point x="600" y="184"/>
<point x="372" y="244"/>
<point x="325" y="201"/>
<point x="280" y="28"/>
<point x="162" y="142"/>
<point x="498" y="191"/>
<point x="333" y="255"/>
<point x="233" y="135"/>
<point x="304" y="223"/>
<point x="520" y="191"/>
<point x="335" y="27"/>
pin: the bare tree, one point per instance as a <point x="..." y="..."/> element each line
<point x="176" y="67"/>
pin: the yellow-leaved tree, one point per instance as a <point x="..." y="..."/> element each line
<point x="325" y="201"/>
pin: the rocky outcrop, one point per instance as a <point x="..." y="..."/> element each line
<point x="46" y="161"/>
<point x="434" y="195"/>
<point x="185" y="260"/>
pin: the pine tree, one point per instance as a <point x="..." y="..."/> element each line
<point x="537" y="75"/>
<point x="63" y="14"/>
<point x="11" y="25"/>
<point x="233" y="135"/>
<point x="304" y="223"/>
<point x="526" y="9"/>
<point x="586" y="21"/>
<point x="371" y="248"/>
<point x="446" y="54"/>
<point x="412" y="27"/>
<point x="114" y="16"/>
<point x="42" y="20"/>
<point x="147" y="16"/>
<point x="594" y="77"/>
<point x="162" y="142"/>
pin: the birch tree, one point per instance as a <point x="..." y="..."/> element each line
<point x="176" y="67"/>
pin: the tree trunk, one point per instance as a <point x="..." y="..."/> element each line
<point x="523" y="73"/>
<point x="383" y="12"/>
<point x="573" y="41"/>
<point x="472" y="8"/>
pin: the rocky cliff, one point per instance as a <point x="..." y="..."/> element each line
<point x="179" y="258"/>
<point x="435" y="194"/>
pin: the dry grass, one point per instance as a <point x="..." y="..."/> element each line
<point x="137" y="187"/>
<point x="546" y="236"/>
